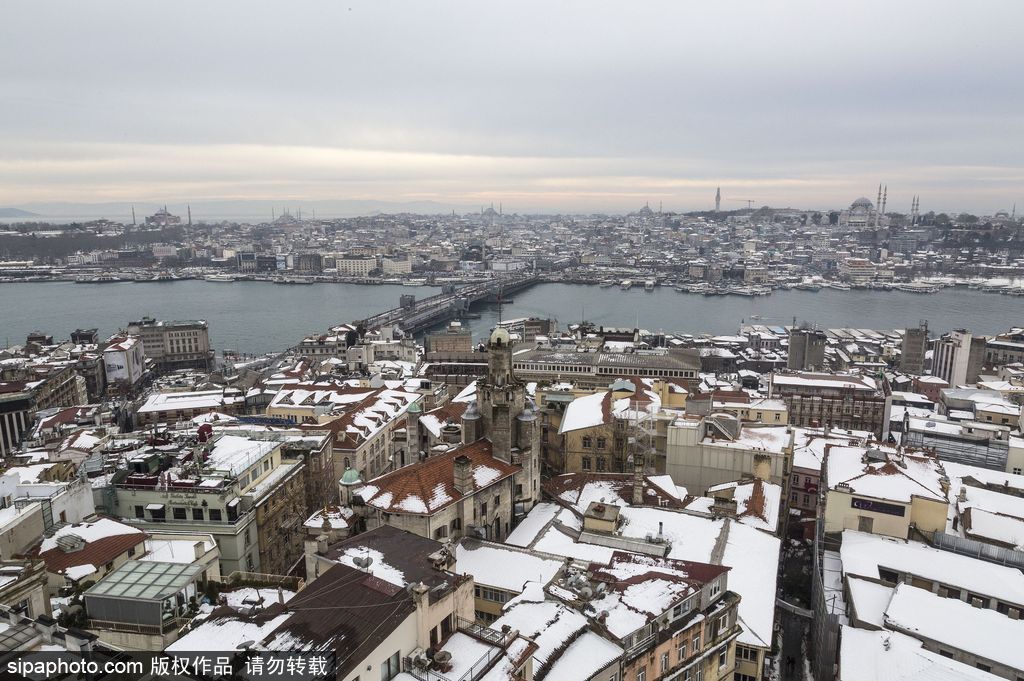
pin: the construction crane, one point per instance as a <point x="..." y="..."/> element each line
<point x="749" y="202"/>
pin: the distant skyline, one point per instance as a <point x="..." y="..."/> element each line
<point x="581" y="106"/>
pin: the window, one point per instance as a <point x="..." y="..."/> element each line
<point x="602" y="443"/>
<point x="215" y="514"/>
<point x="742" y="677"/>
<point x="723" y="658"/>
<point x="497" y="500"/>
<point x="796" y="479"/>
<point x="681" y="650"/>
<point x="197" y="514"/>
<point x="441" y="532"/>
<point x="131" y="551"/>
<point x="178" y="513"/>
<point x="664" y="662"/>
<point x="483" y="510"/>
<point x="793" y="497"/>
<point x="716" y="588"/>
<point x="745" y="653"/>
<point x="140" y="512"/>
<point x="588" y="442"/>
<point x="641" y="674"/>
<point x="585" y="463"/>
<point x="946" y="653"/>
<point x="983" y="667"/>
<point x="1018" y="471"/>
<point x="390" y="668"/>
<point x="696" y="642"/>
<point x="602" y="464"/>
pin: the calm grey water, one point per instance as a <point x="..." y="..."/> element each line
<point x="258" y="317"/>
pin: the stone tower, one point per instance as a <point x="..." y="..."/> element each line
<point x="507" y="417"/>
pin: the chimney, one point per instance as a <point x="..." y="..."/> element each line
<point x="200" y="549"/>
<point x="45" y="625"/>
<point x="463" y="474"/>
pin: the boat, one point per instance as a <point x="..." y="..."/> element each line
<point x="98" y="279"/>
<point x="649" y="285"/>
<point x="807" y="286"/>
<point x="414" y="282"/>
<point x="221" y="278"/>
<point x="156" y="278"/>
<point x="292" y="280"/>
<point x="626" y="284"/>
<point x="606" y="284"/>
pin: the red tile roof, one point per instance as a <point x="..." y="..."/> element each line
<point x="426" y="487"/>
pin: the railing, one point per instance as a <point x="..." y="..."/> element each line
<point x="239" y="577"/>
<point x="979" y="550"/>
<point x="172" y="624"/>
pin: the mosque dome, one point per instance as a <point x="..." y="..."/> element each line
<point x="862" y="202"/>
<point x="415" y="408"/>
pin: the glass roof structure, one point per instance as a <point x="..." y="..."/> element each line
<point x="145" y="580"/>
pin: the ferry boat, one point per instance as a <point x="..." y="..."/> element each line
<point x="606" y="284"/>
<point x="156" y="278"/>
<point x="292" y="280"/>
<point x="98" y="279"/>
<point x="414" y="282"/>
<point x="221" y="278"/>
<point x="626" y="284"/>
<point x="807" y="286"/>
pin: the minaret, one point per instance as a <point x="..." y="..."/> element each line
<point x="718" y="199"/>
<point x="878" y="204"/>
<point x="133" y="215"/>
<point x="885" y="199"/>
<point x="190" y="215"/>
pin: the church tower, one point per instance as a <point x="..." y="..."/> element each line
<point x="507" y="417"/>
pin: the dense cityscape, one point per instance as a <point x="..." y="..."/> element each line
<point x="467" y="341"/>
<point x="408" y="499"/>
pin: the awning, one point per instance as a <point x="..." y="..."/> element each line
<point x="154" y="507"/>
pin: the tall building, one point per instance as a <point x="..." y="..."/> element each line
<point x="718" y="199"/>
<point x="915" y="345"/>
<point x="806" y="349"/>
<point x="958" y="357"/>
<point x="175" y="345"/>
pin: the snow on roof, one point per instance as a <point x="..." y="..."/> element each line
<point x="338" y="516"/>
<point x="226" y="633"/>
<point x="527" y="530"/>
<point x="863" y="554"/>
<point x="890" y="656"/>
<point x="378" y="567"/>
<point x="834" y="381"/>
<point x="752" y="554"/>
<point x="586" y="656"/>
<point x="978" y="631"/>
<point x="994" y="527"/>
<point x="868" y="601"/>
<point x="763" y="438"/>
<point x="586" y="412"/>
<point x="30" y="474"/>
<point x="95" y="530"/>
<point x="552" y="626"/>
<point x="666" y="483"/>
<point x="489" y="564"/>
<point x="234" y="453"/>
<point x="174" y="550"/>
<point x="757" y="502"/>
<point x="900" y="478"/>
<point x="204" y="399"/>
<point x="466" y="651"/>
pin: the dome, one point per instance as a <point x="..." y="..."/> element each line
<point x="350" y="477"/>
<point x="415" y="408"/>
<point x="500" y="336"/>
<point x="862" y="202"/>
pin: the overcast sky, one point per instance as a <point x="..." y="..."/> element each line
<point x="551" y="105"/>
